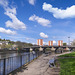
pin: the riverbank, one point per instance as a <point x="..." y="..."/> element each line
<point x="39" y="66"/>
<point x="67" y="64"/>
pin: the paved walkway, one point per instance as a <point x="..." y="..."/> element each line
<point x="40" y="66"/>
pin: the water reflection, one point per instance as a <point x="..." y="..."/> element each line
<point x="6" y="55"/>
<point x="15" y="61"/>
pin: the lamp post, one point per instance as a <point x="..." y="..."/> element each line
<point x="69" y="40"/>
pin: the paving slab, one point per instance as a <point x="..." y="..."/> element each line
<point x="40" y="66"/>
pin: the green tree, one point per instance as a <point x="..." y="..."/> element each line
<point x="5" y="46"/>
<point x="64" y="44"/>
<point x="37" y="49"/>
<point x="48" y="49"/>
<point x="0" y="39"/>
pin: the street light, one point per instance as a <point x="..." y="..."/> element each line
<point x="69" y="40"/>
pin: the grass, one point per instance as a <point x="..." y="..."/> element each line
<point x="67" y="65"/>
<point x="68" y="55"/>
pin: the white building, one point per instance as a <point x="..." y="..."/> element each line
<point x="4" y="42"/>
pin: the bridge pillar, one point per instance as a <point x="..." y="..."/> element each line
<point x="67" y="48"/>
<point x="52" y="49"/>
<point x="31" y="49"/>
<point x="56" y="49"/>
<point x="59" y="50"/>
<point x="44" y="50"/>
<point x="40" y="49"/>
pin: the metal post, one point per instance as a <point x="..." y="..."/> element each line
<point x="29" y="58"/>
<point x="33" y="56"/>
<point x="69" y="40"/>
<point x="36" y="55"/>
<point x="4" y="66"/>
<point x="21" y="60"/>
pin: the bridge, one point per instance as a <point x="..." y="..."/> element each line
<point x="54" y="48"/>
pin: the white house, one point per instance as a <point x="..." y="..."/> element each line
<point x="4" y="42"/>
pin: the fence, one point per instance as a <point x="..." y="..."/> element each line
<point x="10" y="64"/>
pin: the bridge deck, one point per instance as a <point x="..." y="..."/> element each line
<point x="39" y="66"/>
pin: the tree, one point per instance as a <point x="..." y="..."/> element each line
<point x="5" y="46"/>
<point x="0" y="39"/>
<point x="64" y="44"/>
<point x="48" y="49"/>
<point x="37" y="49"/>
<point x="19" y="44"/>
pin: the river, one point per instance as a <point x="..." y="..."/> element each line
<point x="6" y="55"/>
<point x="12" y="61"/>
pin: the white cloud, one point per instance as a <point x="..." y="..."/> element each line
<point x="41" y="21"/>
<point x="11" y="13"/>
<point x="15" y="23"/>
<point x="4" y="3"/>
<point x="43" y="35"/>
<point x="11" y="10"/>
<point x="69" y="12"/>
<point x="8" y="31"/>
<point x="32" y="2"/>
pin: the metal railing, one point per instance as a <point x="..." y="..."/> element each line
<point x="10" y="64"/>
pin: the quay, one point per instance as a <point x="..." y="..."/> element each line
<point x="10" y="64"/>
<point x="39" y="66"/>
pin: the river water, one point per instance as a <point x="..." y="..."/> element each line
<point x="6" y="55"/>
<point x="14" y="61"/>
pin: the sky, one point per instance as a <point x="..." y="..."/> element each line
<point x="29" y="20"/>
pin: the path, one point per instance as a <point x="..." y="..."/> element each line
<point x="40" y="66"/>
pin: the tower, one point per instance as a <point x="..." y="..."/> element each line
<point x="60" y="43"/>
<point x="40" y="42"/>
<point x="50" y="43"/>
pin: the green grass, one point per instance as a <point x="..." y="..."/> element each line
<point x="68" y="55"/>
<point x="67" y="66"/>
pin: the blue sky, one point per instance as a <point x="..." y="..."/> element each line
<point x="29" y="20"/>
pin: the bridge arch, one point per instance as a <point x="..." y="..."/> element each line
<point x="47" y="49"/>
<point x="40" y="49"/>
<point x="36" y="49"/>
<point x="53" y="49"/>
<point x="59" y="50"/>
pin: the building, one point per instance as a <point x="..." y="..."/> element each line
<point x="50" y="43"/>
<point x="0" y="43"/>
<point x="60" y="43"/>
<point x="4" y="42"/>
<point x="40" y="42"/>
